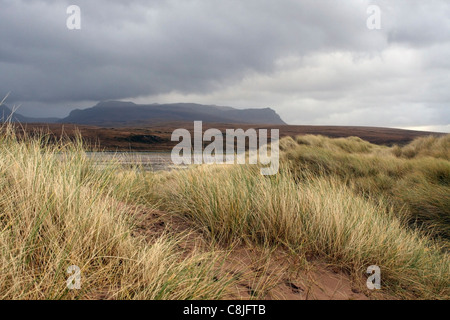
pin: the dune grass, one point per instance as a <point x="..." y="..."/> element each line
<point x="58" y="210"/>
<point x="343" y="201"/>
<point x="415" y="179"/>
<point x="319" y="217"/>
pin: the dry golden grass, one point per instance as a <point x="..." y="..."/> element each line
<point x="57" y="210"/>
<point x="319" y="217"/>
<point x="426" y="147"/>
<point x="417" y="185"/>
<point x="346" y="202"/>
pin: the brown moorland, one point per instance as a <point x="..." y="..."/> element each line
<point x="157" y="136"/>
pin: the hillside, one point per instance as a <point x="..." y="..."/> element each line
<point x="6" y="114"/>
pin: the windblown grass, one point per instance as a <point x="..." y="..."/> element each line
<point x="414" y="179"/>
<point x="426" y="147"/>
<point x="343" y="201"/>
<point x="57" y="210"/>
<point x="319" y="217"/>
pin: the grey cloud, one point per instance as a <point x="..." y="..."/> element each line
<point x="416" y="22"/>
<point x="154" y="48"/>
<point x="183" y="45"/>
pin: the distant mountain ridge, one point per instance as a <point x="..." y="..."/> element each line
<point x="6" y="114"/>
<point x="119" y="112"/>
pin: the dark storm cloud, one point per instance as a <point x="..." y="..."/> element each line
<point x="186" y="48"/>
<point x="144" y="47"/>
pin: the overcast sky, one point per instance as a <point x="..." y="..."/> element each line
<point x="313" y="61"/>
